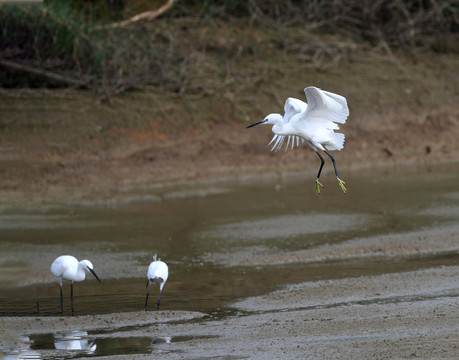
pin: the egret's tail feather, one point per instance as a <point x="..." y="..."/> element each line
<point x="157" y="280"/>
<point x="278" y="140"/>
<point x="281" y="143"/>
<point x="288" y="142"/>
<point x="278" y="144"/>
<point x="336" y="142"/>
<point x="272" y="140"/>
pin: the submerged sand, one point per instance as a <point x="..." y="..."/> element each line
<point x="430" y="241"/>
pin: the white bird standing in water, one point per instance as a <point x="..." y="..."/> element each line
<point x="157" y="274"/>
<point x="67" y="267"/>
<point x="314" y="123"/>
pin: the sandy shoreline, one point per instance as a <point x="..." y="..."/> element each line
<point x="402" y="315"/>
<point x="424" y="242"/>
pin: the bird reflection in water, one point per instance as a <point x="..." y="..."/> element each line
<point x="74" y="340"/>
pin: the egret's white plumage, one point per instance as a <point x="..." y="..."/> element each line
<point x="158" y="272"/>
<point x="67" y="267"/>
<point x="313" y="122"/>
<point x="292" y="107"/>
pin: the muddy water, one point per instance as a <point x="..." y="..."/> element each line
<point x="200" y="233"/>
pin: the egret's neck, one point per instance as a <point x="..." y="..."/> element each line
<point x="81" y="273"/>
<point x="277" y="121"/>
<point x="279" y="128"/>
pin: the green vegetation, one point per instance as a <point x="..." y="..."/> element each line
<point x="197" y="47"/>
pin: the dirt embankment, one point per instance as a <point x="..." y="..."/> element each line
<point x="62" y="146"/>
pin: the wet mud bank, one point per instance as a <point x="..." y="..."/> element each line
<point x="401" y="315"/>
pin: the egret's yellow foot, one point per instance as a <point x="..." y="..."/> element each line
<point x="318" y="185"/>
<point x="341" y="184"/>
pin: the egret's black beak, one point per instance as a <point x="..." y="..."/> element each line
<point x="94" y="273"/>
<point x="258" y="123"/>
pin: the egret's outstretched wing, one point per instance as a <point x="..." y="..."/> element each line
<point x="326" y="107"/>
<point x="292" y="107"/>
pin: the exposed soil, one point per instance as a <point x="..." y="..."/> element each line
<point x="70" y="148"/>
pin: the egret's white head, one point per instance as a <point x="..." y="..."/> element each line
<point x="87" y="265"/>
<point x="271" y="119"/>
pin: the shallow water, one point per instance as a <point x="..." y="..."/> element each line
<point x="195" y="235"/>
<point x="75" y="344"/>
<point x="198" y="236"/>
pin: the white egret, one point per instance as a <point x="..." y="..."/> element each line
<point x="67" y="267"/>
<point x="313" y="123"/>
<point x="157" y="274"/>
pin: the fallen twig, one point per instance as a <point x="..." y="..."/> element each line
<point x="145" y="16"/>
<point x="48" y="74"/>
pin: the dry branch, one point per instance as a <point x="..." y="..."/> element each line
<point x="145" y="16"/>
<point x="48" y="74"/>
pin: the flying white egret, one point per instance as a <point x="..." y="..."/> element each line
<point x="67" y="267"/>
<point x="314" y="123"/>
<point x="157" y="274"/>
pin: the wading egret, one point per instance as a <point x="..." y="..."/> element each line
<point x="157" y="274"/>
<point x="313" y="123"/>
<point x="67" y="267"/>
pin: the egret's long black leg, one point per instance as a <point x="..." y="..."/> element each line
<point x="322" y="161"/>
<point x="148" y="293"/>
<point x="340" y="182"/>
<point x="71" y="297"/>
<point x="159" y="299"/>
<point x="318" y="184"/>
<point x="333" y="160"/>
<point x="62" y="301"/>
